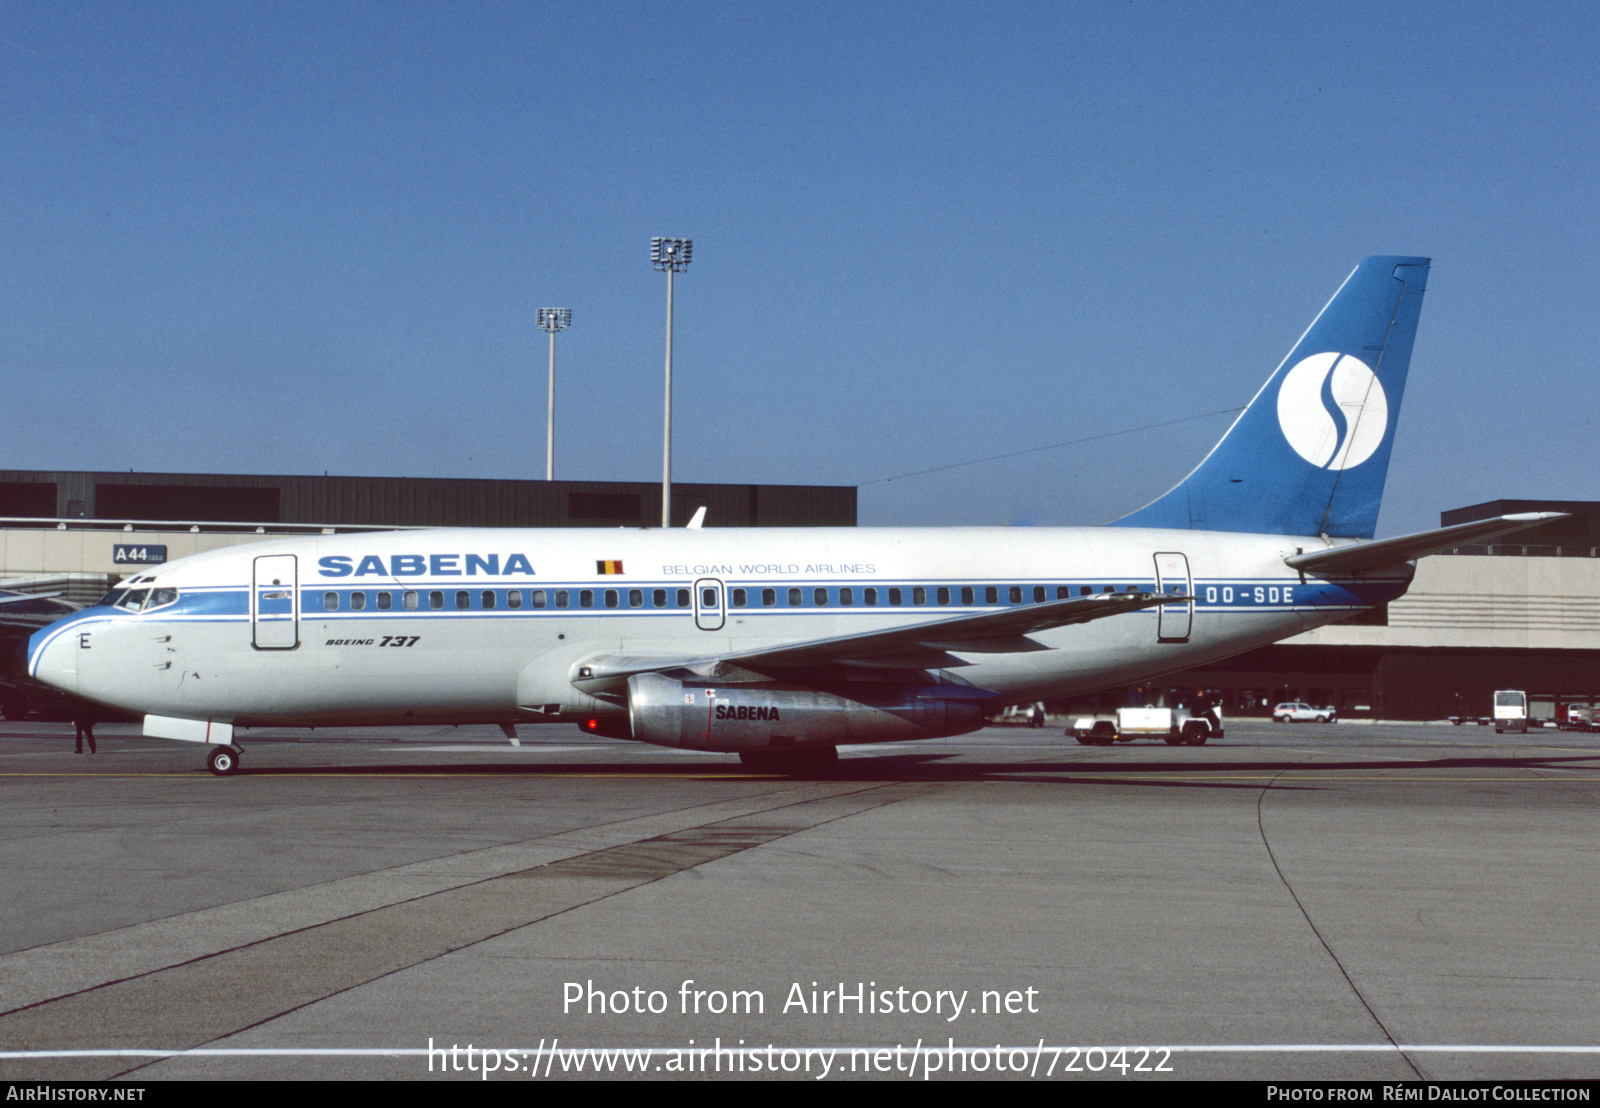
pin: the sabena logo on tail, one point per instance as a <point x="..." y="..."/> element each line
<point x="1309" y="455"/>
<point x="1333" y="410"/>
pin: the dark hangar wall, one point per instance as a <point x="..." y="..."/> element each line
<point x="416" y="502"/>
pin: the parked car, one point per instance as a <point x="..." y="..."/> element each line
<point x="1298" y="711"/>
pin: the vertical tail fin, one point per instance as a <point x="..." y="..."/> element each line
<point x="1310" y="454"/>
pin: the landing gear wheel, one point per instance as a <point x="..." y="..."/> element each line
<point x="224" y="760"/>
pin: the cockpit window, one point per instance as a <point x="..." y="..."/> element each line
<point x="143" y="600"/>
<point x="112" y="598"/>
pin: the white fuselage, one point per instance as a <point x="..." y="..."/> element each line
<point x="492" y="625"/>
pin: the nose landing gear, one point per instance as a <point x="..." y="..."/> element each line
<point x="224" y="760"/>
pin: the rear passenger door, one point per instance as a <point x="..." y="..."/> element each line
<point x="1174" y="621"/>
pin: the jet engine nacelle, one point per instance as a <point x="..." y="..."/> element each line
<point x="772" y="716"/>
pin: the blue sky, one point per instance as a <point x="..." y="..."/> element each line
<point x="296" y="238"/>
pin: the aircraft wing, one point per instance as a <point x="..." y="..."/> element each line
<point x="917" y="646"/>
<point x="1388" y="552"/>
<point x="987" y="633"/>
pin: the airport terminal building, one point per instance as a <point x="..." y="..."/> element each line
<point x="83" y="531"/>
<point x="1523" y="615"/>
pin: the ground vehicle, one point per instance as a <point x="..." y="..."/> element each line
<point x="1298" y="711"/>
<point x="1510" y="711"/>
<point x="1176" y="725"/>
<point x="1578" y="717"/>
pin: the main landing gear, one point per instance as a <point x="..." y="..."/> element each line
<point x="224" y="760"/>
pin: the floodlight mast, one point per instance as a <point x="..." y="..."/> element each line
<point x="669" y="256"/>
<point x="552" y="320"/>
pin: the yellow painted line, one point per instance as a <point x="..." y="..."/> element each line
<point x="204" y="775"/>
<point x="1498" y="746"/>
<point x="1019" y="775"/>
<point x="1302" y="776"/>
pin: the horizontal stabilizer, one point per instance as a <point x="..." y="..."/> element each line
<point x="1388" y="552"/>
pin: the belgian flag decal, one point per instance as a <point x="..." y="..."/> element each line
<point x="604" y="568"/>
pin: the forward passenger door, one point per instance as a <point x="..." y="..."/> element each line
<point x="275" y="603"/>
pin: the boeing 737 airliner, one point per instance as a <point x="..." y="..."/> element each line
<point x="779" y="645"/>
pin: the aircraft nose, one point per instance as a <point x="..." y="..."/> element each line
<point x="54" y="659"/>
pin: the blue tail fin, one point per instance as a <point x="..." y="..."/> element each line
<point x="1310" y="453"/>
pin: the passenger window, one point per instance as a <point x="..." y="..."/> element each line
<point x="358" y="602"/>
<point x="1085" y="590"/>
<point x="1015" y="593"/>
<point x="1062" y="592"/>
<point x="1038" y="594"/>
<point x="488" y="599"/>
<point x="740" y="598"/>
<point x="919" y="595"/>
<point x="611" y="598"/>
<point x="562" y="598"/>
<point x="436" y="599"/>
<point x="943" y="594"/>
<point x="847" y="597"/>
<point x="463" y="599"/>
<point x="410" y="599"/>
<point x="385" y="601"/>
<point x="869" y="597"/>
<point x="894" y="598"/>
<point x="514" y="599"/>
<point x="683" y="598"/>
<point x="658" y="598"/>
<point x="536" y="598"/>
<point x="708" y="598"/>
<point x="967" y="595"/>
<point x="330" y="602"/>
<point x="586" y="598"/>
<point x="794" y="598"/>
<point x="636" y="598"/>
<point x="769" y="597"/>
<point x="991" y="595"/>
<point x="819" y="597"/>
